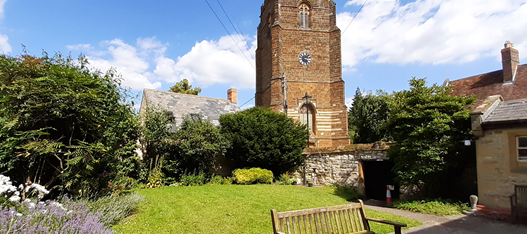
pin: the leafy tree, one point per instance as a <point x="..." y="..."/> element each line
<point x="197" y="143"/>
<point x="429" y="126"/>
<point x="157" y="143"/>
<point x="184" y="87"/>
<point x="263" y="138"/>
<point x="368" y="115"/>
<point x="62" y="124"/>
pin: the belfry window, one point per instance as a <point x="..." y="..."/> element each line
<point x="304" y="16"/>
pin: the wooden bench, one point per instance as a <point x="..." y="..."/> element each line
<point x="344" y="219"/>
<point x="519" y="200"/>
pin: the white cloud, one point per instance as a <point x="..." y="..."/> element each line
<point x="212" y="62"/>
<point x="431" y="31"/>
<point x="131" y="62"/>
<point x="145" y="64"/>
<point x="2" y="3"/>
<point x="349" y="102"/>
<point x="5" y="48"/>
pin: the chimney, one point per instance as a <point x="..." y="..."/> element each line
<point x="232" y="95"/>
<point x="510" y="60"/>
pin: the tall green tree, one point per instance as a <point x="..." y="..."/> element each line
<point x="263" y="138"/>
<point x="62" y="124"/>
<point x="184" y="87"/>
<point x="368" y="115"/>
<point x="429" y="127"/>
<point x="198" y="143"/>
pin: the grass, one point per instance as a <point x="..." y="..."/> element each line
<point x="232" y="208"/>
<point x="437" y="207"/>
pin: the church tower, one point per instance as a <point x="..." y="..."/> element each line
<point x="299" y="68"/>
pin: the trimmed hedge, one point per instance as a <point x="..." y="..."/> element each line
<point x="253" y="175"/>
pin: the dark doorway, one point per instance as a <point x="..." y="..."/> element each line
<point x="378" y="174"/>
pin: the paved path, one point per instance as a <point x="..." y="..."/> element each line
<point x="458" y="224"/>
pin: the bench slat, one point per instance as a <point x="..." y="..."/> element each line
<point x="344" y="219"/>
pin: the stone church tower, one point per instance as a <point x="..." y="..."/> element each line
<point x="299" y="68"/>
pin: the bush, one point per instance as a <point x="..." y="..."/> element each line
<point x="51" y="217"/>
<point x="63" y="125"/>
<point x="253" y="175"/>
<point x="115" y="208"/>
<point x="193" y="179"/>
<point x="263" y="138"/>
<point x="438" y="207"/>
<point x="219" y="180"/>
<point x="286" y="179"/>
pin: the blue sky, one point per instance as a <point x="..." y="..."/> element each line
<point x="156" y="43"/>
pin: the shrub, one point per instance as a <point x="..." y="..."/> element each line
<point x="253" y="175"/>
<point x="194" y="179"/>
<point x="115" y="208"/>
<point x="51" y="217"/>
<point x="263" y="138"/>
<point x="219" y="180"/>
<point x="286" y="179"/>
<point x="63" y="124"/>
<point x="438" y="207"/>
<point x="155" y="179"/>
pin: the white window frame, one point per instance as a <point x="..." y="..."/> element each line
<point x="518" y="148"/>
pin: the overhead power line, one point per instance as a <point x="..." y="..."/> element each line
<point x="235" y="42"/>
<point x="235" y="29"/>
<point x="354" y="17"/>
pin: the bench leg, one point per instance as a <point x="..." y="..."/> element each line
<point x="397" y="230"/>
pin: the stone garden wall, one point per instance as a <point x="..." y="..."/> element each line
<point x="339" y="168"/>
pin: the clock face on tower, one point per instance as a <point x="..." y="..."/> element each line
<point x="304" y="58"/>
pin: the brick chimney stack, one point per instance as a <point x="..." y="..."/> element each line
<point x="510" y="60"/>
<point x="232" y="95"/>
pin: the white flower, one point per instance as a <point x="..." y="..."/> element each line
<point x="14" y="198"/>
<point x="18" y="214"/>
<point x="31" y="205"/>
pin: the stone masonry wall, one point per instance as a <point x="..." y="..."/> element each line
<point x="498" y="167"/>
<point x="340" y="168"/>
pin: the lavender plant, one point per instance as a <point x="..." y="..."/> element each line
<point x="67" y="216"/>
<point x="115" y="208"/>
<point x="51" y="217"/>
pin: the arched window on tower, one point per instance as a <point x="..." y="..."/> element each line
<point x="304" y="15"/>
<point x="307" y="116"/>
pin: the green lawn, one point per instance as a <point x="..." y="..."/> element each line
<point x="231" y="208"/>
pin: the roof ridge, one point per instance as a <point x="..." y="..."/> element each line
<point x="188" y="95"/>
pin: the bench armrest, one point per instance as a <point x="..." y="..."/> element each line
<point x="396" y="224"/>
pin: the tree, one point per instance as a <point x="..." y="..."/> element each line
<point x="197" y="144"/>
<point x="429" y="126"/>
<point x="263" y="138"/>
<point x="368" y="115"/>
<point x="184" y="87"/>
<point x="62" y="124"/>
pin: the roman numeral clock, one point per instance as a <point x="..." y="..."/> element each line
<point x="299" y="68"/>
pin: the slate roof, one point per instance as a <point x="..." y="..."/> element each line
<point x="508" y="111"/>
<point x="184" y="104"/>
<point x="491" y="83"/>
